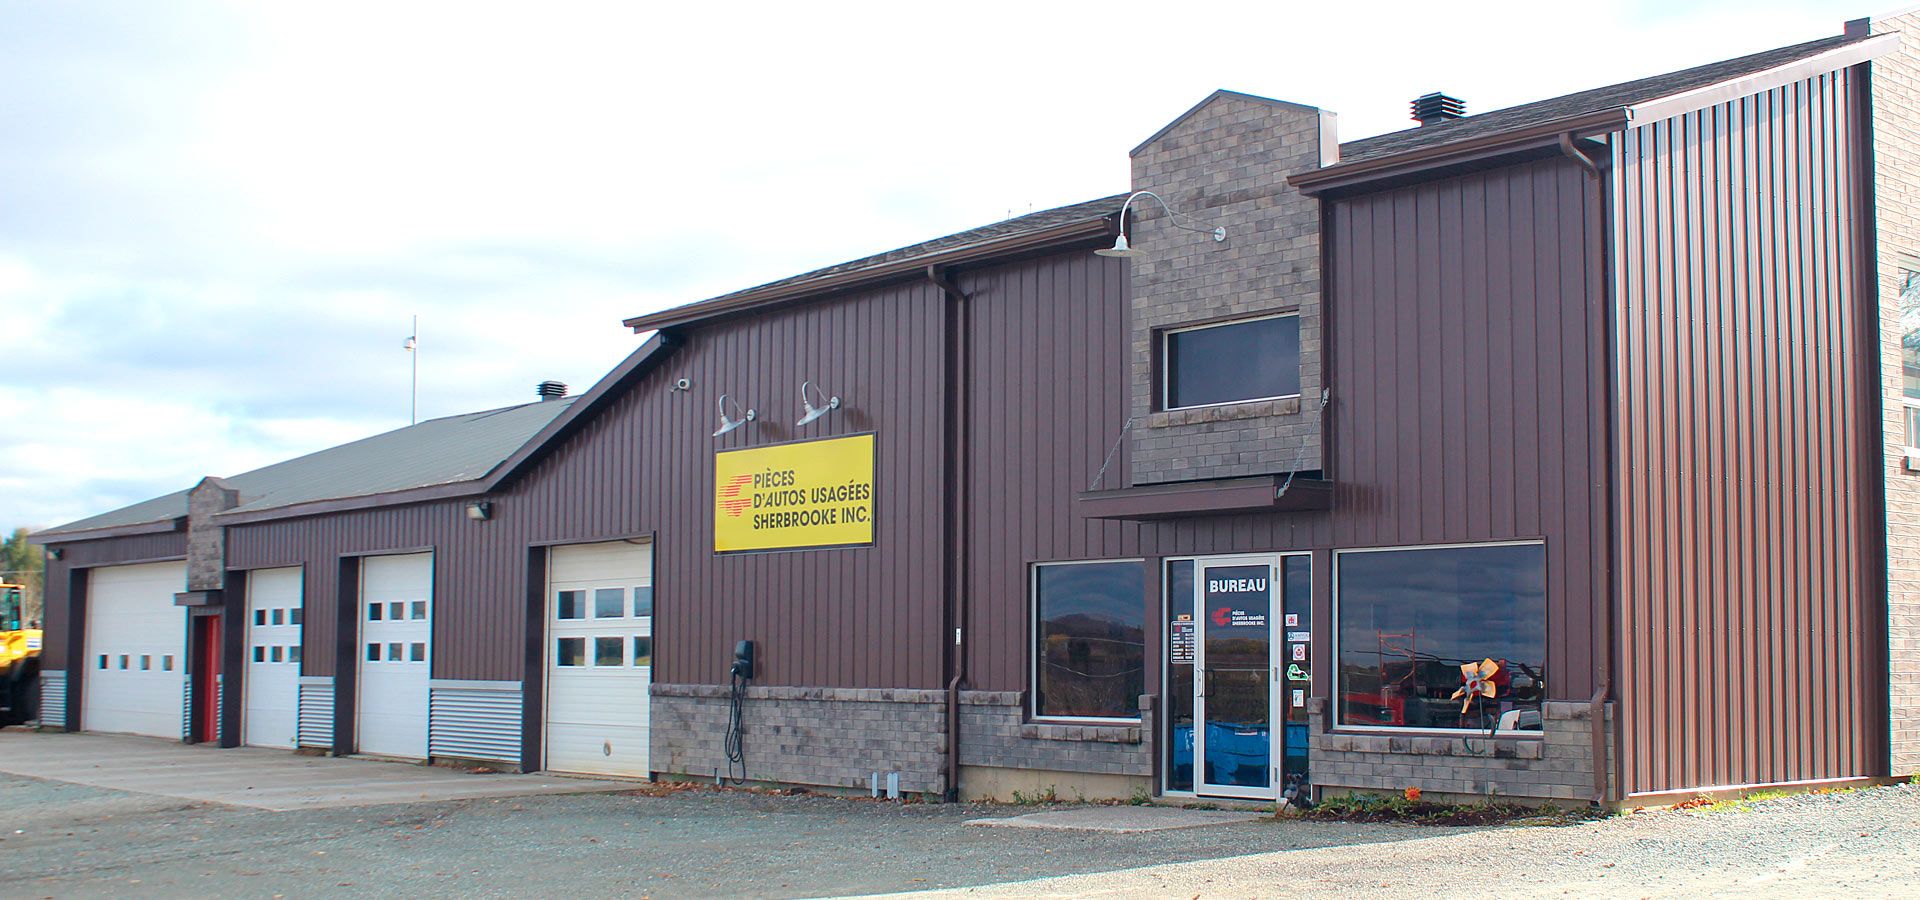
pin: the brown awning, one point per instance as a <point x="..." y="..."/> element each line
<point x="1260" y="493"/>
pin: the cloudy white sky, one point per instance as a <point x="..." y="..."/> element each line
<point x="217" y="219"/>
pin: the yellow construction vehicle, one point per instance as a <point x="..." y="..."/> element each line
<point x="19" y="657"/>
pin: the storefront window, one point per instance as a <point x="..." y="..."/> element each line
<point x="1408" y="620"/>
<point x="1090" y="651"/>
<point x="1180" y="651"/>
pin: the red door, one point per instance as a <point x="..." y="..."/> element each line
<point x="206" y="678"/>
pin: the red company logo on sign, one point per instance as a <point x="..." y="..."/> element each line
<point x="1222" y="616"/>
<point x="730" y="499"/>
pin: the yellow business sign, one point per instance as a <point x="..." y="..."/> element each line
<point x="803" y="494"/>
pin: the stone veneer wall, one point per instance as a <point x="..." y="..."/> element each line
<point x="829" y="737"/>
<point x="206" y="541"/>
<point x="1226" y="163"/>
<point x="838" y="737"/>
<point x="994" y="732"/>
<point x="1896" y="150"/>
<point x="1558" y="765"/>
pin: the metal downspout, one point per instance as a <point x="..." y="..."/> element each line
<point x="954" y="566"/>
<point x="1597" y="705"/>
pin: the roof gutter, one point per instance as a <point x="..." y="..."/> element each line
<point x="758" y="298"/>
<point x="1457" y="152"/>
<point x="165" y="526"/>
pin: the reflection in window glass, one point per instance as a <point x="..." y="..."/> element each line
<point x="1910" y="334"/>
<point x="123" y="661"/>
<point x="293" y="653"/>
<point x="279" y="616"/>
<point x="642" y="650"/>
<point x="609" y="603"/>
<point x="1090" y="655"/>
<point x="259" y="617"/>
<point x="1409" y="619"/>
<point x="571" y="652"/>
<point x="373" y="612"/>
<point x="393" y="652"/>
<point x="293" y="616"/>
<point x="419" y="609"/>
<point x="417" y="651"/>
<point x="277" y="654"/>
<point x="146" y="662"/>
<point x="396" y="610"/>
<point x="571" y="605"/>
<point x="643" y="601"/>
<point x="1235" y="361"/>
<point x="259" y="653"/>
<point x="1180" y="643"/>
<point x="373" y="653"/>
<point x="166" y="663"/>
<point x="606" y="651"/>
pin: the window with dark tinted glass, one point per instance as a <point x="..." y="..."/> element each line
<point x="1409" y="619"/>
<point x="1252" y="359"/>
<point x="1090" y="651"/>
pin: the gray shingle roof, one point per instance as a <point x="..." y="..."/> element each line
<point x="443" y="451"/>
<point x="1019" y="226"/>
<point x="1590" y="101"/>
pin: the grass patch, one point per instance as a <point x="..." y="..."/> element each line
<point x="1376" y="808"/>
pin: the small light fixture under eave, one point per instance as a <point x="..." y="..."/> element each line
<point x="1121" y="248"/>
<point x="480" y="510"/>
<point x="57" y="553"/>
<point x="814" y="412"/>
<point x="729" y="423"/>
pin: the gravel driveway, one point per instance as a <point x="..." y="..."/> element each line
<point x="69" y="840"/>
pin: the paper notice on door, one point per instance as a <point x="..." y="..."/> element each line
<point x="1299" y="652"/>
<point x="1293" y="620"/>
<point x="1299" y="699"/>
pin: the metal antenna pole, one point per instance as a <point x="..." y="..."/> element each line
<point x="413" y="348"/>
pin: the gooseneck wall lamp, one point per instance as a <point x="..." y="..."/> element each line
<point x="1123" y="249"/>
<point x="728" y="422"/>
<point x="812" y="412"/>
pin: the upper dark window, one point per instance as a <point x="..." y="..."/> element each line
<point x="1090" y="654"/>
<point x="1251" y="359"/>
<point x="1407" y="621"/>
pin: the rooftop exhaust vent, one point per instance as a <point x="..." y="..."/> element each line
<point x="551" y="390"/>
<point x="1434" y="108"/>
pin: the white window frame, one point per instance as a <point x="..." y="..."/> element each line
<point x="1166" y="362"/>
<point x="1910" y="436"/>
<point x="1339" y="707"/>
<point x="1033" y="642"/>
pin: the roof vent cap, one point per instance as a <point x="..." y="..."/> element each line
<point x="1434" y="108"/>
<point x="551" y="390"/>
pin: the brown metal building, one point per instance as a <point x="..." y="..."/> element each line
<point x="1587" y="389"/>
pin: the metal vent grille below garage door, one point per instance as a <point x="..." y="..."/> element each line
<point x="474" y="720"/>
<point x="315" y="713"/>
<point x="186" y="708"/>
<point x="53" y="698"/>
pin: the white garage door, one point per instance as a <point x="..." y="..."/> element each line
<point x="599" y="658"/>
<point x="136" y="650"/>
<point x="274" y="614"/>
<point x="396" y="643"/>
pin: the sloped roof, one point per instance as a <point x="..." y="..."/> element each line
<point x="450" y="450"/>
<point x="1013" y="229"/>
<point x="1588" y="102"/>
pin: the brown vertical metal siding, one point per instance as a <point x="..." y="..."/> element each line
<point x="1745" y="552"/>
<point x="865" y="617"/>
<point x="1469" y="381"/>
<point x="86" y="555"/>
